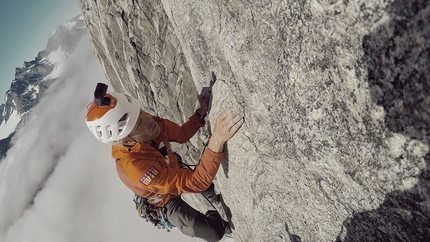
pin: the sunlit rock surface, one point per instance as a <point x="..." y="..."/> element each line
<point x="336" y="139"/>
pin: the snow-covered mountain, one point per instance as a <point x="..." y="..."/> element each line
<point x="34" y="77"/>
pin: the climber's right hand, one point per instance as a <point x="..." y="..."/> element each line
<point x="226" y="125"/>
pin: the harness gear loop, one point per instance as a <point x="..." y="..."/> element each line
<point x="151" y="214"/>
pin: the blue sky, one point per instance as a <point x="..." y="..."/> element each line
<point x="25" y="26"/>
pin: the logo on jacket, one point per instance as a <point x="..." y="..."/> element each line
<point x="149" y="176"/>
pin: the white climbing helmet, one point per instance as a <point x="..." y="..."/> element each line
<point x="113" y="116"/>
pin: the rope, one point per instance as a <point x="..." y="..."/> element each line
<point x="205" y="145"/>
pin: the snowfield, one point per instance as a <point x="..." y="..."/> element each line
<point x="9" y="126"/>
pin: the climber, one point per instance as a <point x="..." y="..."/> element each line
<point x="137" y="139"/>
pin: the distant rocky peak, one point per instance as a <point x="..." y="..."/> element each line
<point x="35" y="76"/>
<point x="66" y="35"/>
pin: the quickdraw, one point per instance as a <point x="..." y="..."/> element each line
<point x="151" y="214"/>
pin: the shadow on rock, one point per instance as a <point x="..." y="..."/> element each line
<point x="398" y="59"/>
<point x="227" y="213"/>
<point x="292" y="237"/>
<point x="402" y="217"/>
<point x="224" y="163"/>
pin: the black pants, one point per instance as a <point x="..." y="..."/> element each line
<point x="193" y="223"/>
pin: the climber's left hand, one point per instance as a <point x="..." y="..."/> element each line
<point x="204" y="98"/>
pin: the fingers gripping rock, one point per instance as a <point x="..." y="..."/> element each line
<point x="226" y="125"/>
<point x="236" y="115"/>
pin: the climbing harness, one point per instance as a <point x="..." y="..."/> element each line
<point x="152" y="214"/>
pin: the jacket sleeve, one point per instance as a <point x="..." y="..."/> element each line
<point x="158" y="178"/>
<point x="182" y="134"/>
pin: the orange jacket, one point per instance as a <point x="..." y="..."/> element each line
<point x="145" y="171"/>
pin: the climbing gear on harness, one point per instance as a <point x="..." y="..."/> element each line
<point x="111" y="116"/>
<point x="152" y="214"/>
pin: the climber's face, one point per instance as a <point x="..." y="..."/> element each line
<point x="145" y="129"/>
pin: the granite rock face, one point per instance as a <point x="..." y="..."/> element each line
<point x="335" y="146"/>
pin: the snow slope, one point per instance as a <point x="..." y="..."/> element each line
<point x="9" y="126"/>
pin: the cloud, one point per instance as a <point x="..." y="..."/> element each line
<point x="58" y="183"/>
